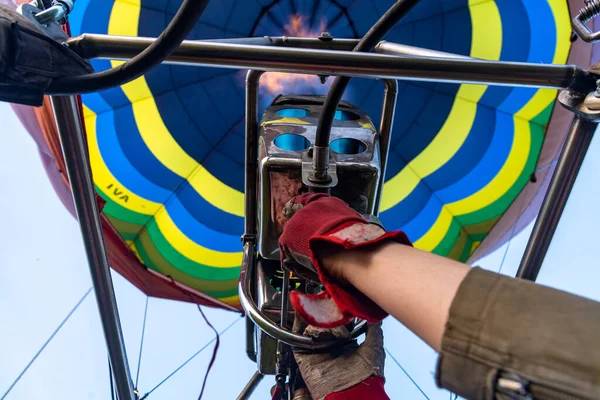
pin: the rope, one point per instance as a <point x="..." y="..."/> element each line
<point x="214" y="355"/>
<point x="58" y="328"/>
<point x="137" y="374"/>
<point x="190" y="359"/>
<point x="406" y="373"/>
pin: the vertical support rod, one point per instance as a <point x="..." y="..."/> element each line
<point x="251" y="386"/>
<point x="251" y="181"/>
<point x="282" y="348"/>
<point x="250" y="185"/>
<point x="385" y="132"/>
<point x="72" y="140"/>
<point x="569" y="162"/>
<point x="250" y="342"/>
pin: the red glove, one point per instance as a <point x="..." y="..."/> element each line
<point x="318" y="220"/>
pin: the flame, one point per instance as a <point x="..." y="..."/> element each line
<point x="297" y="27"/>
<point x="276" y="83"/>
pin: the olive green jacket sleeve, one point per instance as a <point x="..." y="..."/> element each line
<point x="508" y="338"/>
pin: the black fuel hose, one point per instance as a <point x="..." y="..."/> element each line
<point x="366" y="44"/>
<point x="176" y="32"/>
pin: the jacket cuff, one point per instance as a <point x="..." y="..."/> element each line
<point x="510" y="335"/>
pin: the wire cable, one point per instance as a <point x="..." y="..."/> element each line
<point x="191" y="358"/>
<point x="137" y="374"/>
<point x="366" y="44"/>
<point x="178" y="29"/>
<point x="512" y="234"/>
<point x="112" y="384"/>
<point x="58" y="328"/>
<point x="406" y="373"/>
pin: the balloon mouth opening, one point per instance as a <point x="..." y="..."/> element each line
<point x="292" y="112"/>
<point x="347" y="146"/>
<point x="343" y="115"/>
<point x="291" y="142"/>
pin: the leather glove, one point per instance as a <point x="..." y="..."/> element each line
<point x="317" y="221"/>
<point x="348" y="371"/>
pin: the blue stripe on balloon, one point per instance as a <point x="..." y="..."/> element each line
<point x="96" y="103"/>
<point x="138" y="154"/>
<point x="77" y="16"/>
<point x="411" y="206"/>
<point x="431" y="118"/>
<point x="516" y="38"/>
<point x="199" y="232"/>
<point x="119" y="164"/>
<point x="419" y="226"/>
<point x="469" y="154"/>
<point x="207" y="214"/>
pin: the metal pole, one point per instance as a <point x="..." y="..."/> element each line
<point x="397" y="49"/>
<point x="385" y="132"/>
<point x="568" y="165"/>
<point x="251" y="386"/>
<point x="333" y="62"/>
<point x="251" y="180"/>
<point x="250" y="342"/>
<point x="74" y="146"/>
<point x="93" y="45"/>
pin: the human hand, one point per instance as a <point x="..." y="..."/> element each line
<point x="318" y="226"/>
<point x="338" y="369"/>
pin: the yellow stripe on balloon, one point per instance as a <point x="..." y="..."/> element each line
<point x="486" y="43"/>
<point x="191" y="249"/>
<point x="562" y="18"/>
<point x="124" y="21"/>
<point x="231" y="300"/>
<point x="106" y="181"/>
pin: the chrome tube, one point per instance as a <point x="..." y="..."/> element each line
<point x="271" y="329"/>
<point x="251" y="178"/>
<point x="569" y="162"/>
<point x="91" y="45"/>
<point x="250" y="340"/>
<point x="251" y="386"/>
<point x="397" y="49"/>
<point x="385" y="133"/>
<point x="72" y="140"/>
<point x="334" y="62"/>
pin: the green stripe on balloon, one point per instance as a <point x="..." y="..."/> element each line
<point x="445" y="246"/>
<point x="151" y="258"/>
<point x="118" y="211"/>
<point x="126" y="230"/>
<point x="183" y="263"/>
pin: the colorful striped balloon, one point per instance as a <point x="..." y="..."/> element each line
<point x="167" y="149"/>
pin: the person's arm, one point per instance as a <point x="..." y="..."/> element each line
<point x="498" y="337"/>
<point x="412" y="285"/>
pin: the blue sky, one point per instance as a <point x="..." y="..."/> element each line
<point x="43" y="273"/>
